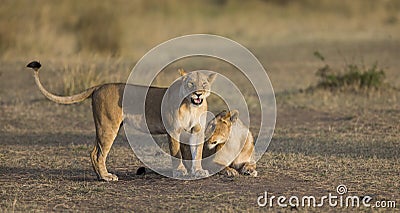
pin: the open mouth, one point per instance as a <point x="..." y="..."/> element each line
<point x="197" y="101"/>
<point x="196" y="98"/>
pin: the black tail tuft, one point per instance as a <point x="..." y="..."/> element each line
<point x="34" y="65"/>
<point x="141" y="171"/>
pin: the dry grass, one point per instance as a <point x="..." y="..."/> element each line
<point x="319" y="143"/>
<point x="130" y="28"/>
<point x="79" y="76"/>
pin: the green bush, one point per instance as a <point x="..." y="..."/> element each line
<point x="352" y="77"/>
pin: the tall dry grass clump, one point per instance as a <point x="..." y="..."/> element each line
<point x="78" y="78"/>
<point x="80" y="75"/>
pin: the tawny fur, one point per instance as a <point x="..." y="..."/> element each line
<point x="108" y="116"/>
<point x="231" y="144"/>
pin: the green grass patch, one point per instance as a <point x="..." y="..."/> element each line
<point x="353" y="77"/>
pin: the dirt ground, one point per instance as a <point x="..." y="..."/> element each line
<point x="322" y="139"/>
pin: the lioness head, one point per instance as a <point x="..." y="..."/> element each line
<point x="196" y="86"/>
<point x="219" y="128"/>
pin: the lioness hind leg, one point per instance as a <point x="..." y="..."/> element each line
<point x="249" y="169"/>
<point x="106" y="132"/>
<point x="107" y="115"/>
<point x="99" y="154"/>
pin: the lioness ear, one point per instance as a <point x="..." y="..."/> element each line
<point x="234" y="115"/>
<point x="226" y="117"/>
<point x="182" y="72"/>
<point x="212" y="77"/>
<point x="222" y="114"/>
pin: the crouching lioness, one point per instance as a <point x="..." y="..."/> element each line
<point x="190" y="91"/>
<point x="231" y="144"/>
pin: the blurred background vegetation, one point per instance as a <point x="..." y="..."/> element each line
<point x="125" y="28"/>
<point x="82" y="43"/>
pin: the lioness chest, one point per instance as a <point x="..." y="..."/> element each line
<point x="192" y="118"/>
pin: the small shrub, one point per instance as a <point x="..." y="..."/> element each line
<point x="353" y="77"/>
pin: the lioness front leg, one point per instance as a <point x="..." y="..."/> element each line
<point x="196" y="149"/>
<point x="178" y="169"/>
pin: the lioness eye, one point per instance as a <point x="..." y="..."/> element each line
<point x="190" y="84"/>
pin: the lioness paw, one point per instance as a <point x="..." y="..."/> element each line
<point x="249" y="169"/>
<point x="201" y="173"/>
<point x="178" y="173"/>
<point x="229" y="172"/>
<point x="109" y="177"/>
<point x="253" y="173"/>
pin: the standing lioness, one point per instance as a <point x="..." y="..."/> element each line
<point x="192" y="90"/>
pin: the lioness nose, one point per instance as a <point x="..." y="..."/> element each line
<point x="197" y="93"/>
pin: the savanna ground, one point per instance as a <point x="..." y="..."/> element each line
<point x="322" y="138"/>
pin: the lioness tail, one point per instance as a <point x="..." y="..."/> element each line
<point x="59" y="99"/>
